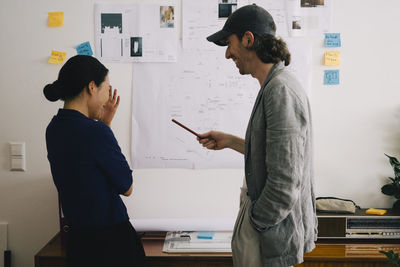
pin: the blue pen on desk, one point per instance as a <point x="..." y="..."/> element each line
<point x="206" y="235"/>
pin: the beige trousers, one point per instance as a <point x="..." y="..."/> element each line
<point x="245" y="239"/>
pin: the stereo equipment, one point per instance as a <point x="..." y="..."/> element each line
<point x="359" y="225"/>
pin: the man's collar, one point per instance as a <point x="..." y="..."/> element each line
<point x="278" y="66"/>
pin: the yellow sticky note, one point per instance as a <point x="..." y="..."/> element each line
<point x="332" y="58"/>
<point x="56" y="19"/>
<point x="57" y="57"/>
<point x="375" y="211"/>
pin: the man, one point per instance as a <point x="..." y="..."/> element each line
<point x="277" y="222"/>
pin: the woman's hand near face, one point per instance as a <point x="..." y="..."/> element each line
<point x="110" y="107"/>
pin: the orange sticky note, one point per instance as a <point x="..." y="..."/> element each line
<point x="375" y="211"/>
<point x="57" y="57"/>
<point x="56" y="19"/>
<point x="332" y="58"/>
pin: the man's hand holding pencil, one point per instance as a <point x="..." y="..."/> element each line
<point x="212" y="140"/>
<point x="215" y="140"/>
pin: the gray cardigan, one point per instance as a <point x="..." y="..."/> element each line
<point x="278" y="168"/>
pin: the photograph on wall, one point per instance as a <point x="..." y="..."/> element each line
<point x="226" y="7"/>
<point x="136" y="46"/>
<point x="167" y="17"/>
<point x="312" y="3"/>
<point x="111" y="23"/>
<point x="296" y="23"/>
<point x="111" y="47"/>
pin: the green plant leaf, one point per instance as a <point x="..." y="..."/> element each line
<point x="395" y="165"/>
<point x="389" y="189"/>
<point x="387" y="253"/>
<point x="393" y="257"/>
<point x="393" y="161"/>
<point x="397" y="172"/>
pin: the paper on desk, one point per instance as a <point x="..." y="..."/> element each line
<point x="221" y="242"/>
<point x="56" y="19"/>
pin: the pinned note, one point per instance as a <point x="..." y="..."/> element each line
<point x="84" y="49"/>
<point x="56" y="19"/>
<point x="332" y="58"/>
<point x="332" y="40"/>
<point x="331" y="77"/>
<point x="57" y="57"/>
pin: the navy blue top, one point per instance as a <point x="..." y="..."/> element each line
<point x="88" y="169"/>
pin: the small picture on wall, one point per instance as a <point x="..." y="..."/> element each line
<point x="111" y="22"/>
<point x="136" y="47"/>
<point x="296" y="24"/>
<point x="167" y="17"/>
<point x="226" y="7"/>
<point x="312" y="3"/>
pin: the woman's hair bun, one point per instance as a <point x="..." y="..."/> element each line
<point x="52" y="91"/>
<point x="74" y="76"/>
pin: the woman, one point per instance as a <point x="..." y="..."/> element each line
<point x="88" y="168"/>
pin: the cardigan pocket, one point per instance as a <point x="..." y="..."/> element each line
<point x="276" y="240"/>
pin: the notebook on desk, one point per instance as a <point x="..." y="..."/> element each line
<point x="188" y="242"/>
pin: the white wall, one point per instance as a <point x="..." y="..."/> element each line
<point x="357" y="122"/>
<point x="354" y="123"/>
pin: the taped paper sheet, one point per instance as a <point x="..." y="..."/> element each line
<point x="299" y="17"/>
<point x="136" y="32"/>
<point x="203" y="91"/>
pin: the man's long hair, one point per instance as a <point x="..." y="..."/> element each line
<point x="270" y="49"/>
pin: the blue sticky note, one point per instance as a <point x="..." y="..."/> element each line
<point x="331" y="77"/>
<point x="206" y="235"/>
<point x="332" y="40"/>
<point x="84" y="49"/>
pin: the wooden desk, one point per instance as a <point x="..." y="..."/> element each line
<point x="156" y="258"/>
<point x="325" y="254"/>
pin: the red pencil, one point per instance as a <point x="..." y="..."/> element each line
<point x="186" y="128"/>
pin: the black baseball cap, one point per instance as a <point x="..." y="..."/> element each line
<point x="247" y="18"/>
